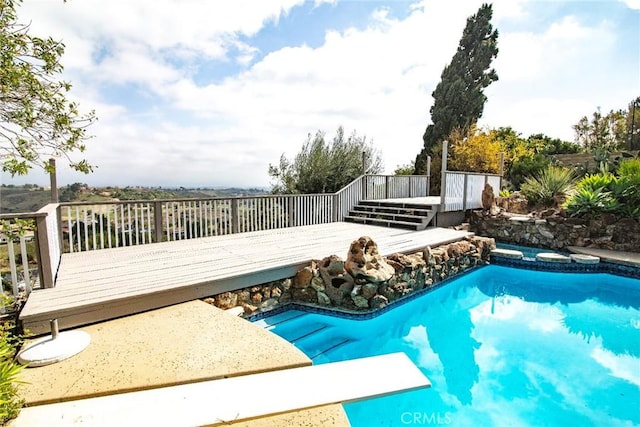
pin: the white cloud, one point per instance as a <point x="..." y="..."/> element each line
<point x="550" y="78"/>
<point x="376" y="78"/>
<point x="632" y="4"/>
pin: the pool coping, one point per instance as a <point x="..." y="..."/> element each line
<point x="573" y="267"/>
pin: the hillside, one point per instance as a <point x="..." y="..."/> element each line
<point x="23" y="199"/>
<point x="30" y="198"/>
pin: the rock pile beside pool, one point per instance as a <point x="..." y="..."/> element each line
<point x="365" y="280"/>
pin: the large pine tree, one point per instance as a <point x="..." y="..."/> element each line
<point x="459" y="98"/>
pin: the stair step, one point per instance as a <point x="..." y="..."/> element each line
<point x="321" y="342"/>
<point x="273" y="321"/>
<point x="390" y="217"/>
<point x="329" y="348"/>
<point x="313" y="332"/>
<point x="386" y="223"/>
<point x="400" y="205"/>
<point x="393" y="210"/>
<point x="294" y="329"/>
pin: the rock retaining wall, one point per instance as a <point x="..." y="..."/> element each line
<point x="557" y="232"/>
<point x="369" y="281"/>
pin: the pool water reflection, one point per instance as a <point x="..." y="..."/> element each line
<point x="501" y="346"/>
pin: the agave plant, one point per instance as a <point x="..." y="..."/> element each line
<point x="551" y="186"/>
<point x="599" y="181"/>
<point x="589" y="203"/>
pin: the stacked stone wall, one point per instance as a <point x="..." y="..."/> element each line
<point x="365" y="281"/>
<point x="557" y="232"/>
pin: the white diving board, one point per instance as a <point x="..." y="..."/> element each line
<point x="237" y="398"/>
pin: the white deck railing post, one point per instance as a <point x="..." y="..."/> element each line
<point x="428" y="175"/>
<point x="157" y="221"/>
<point x="443" y="179"/>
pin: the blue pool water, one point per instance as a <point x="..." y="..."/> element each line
<point x="501" y="346"/>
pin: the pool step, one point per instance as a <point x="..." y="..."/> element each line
<point x="293" y="329"/>
<point x="314" y="339"/>
<point x="321" y="342"/>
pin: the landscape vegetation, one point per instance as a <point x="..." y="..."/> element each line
<point x="596" y="174"/>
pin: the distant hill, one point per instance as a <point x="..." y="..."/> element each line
<point x="30" y="198"/>
<point x="23" y="199"/>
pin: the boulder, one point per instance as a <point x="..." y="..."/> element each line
<point x="323" y="299"/>
<point x="412" y="261"/>
<point x="360" y="301"/>
<point x="338" y="288"/>
<point x="488" y="198"/>
<point x="378" y="301"/>
<point x="304" y="295"/>
<point x="332" y="264"/>
<point x="226" y="300"/>
<point x="303" y="278"/>
<point x="369" y="290"/>
<point x="514" y="203"/>
<point x="365" y="264"/>
<point x="337" y="283"/>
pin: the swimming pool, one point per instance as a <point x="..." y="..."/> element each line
<point x="501" y="346"/>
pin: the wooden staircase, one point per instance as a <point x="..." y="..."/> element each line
<point x="409" y="216"/>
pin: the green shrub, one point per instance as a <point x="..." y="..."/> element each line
<point x="605" y="193"/>
<point x="630" y="168"/>
<point x="598" y="181"/>
<point x="10" y="402"/>
<point x="524" y="167"/>
<point x="588" y="203"/>
<point x="548" y="186"/>
<point x="627" y="192"/>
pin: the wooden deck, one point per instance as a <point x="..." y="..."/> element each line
<point x="105" y="284"/>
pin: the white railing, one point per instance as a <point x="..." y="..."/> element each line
<point x="21" y="276"/>
<point x="395" y="186"/>
<point x="463" y="190"/>
<point x="347" y="198"/>
<point x="91" y="226"/>
<point x="311" y="209"/>
<point x="30" y="251"/>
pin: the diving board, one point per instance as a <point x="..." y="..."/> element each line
<point x="238" y="398"/>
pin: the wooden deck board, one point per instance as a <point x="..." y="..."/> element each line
<point x="149" y="276"/>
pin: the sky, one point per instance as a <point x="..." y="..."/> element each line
<point x="208" y="93"/>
